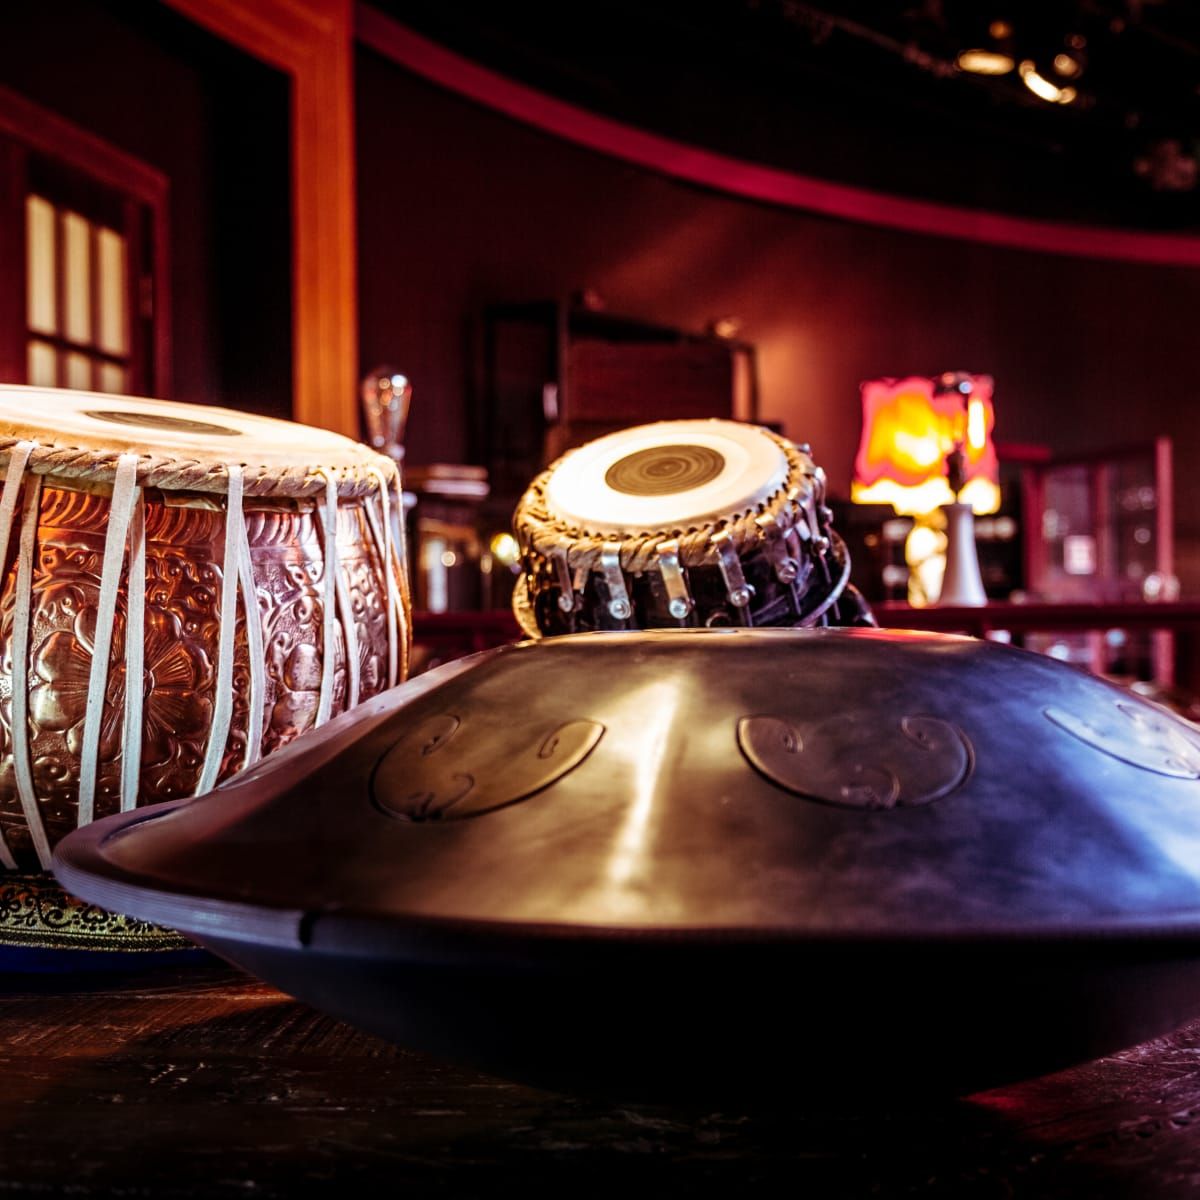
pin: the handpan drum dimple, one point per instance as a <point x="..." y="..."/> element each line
<point x="706" y="862"/>
<point x="678" y="524"/>
<point x="242" y="570"/>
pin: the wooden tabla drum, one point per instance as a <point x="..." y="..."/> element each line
<point x="681" y="523"/>
<point x="247" y="572"/>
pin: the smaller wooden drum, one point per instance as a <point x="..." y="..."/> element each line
<point x="183" y="589"/>
<point x="681" y="523"/>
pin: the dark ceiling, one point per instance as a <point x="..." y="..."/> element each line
<point x="868" y="91"/>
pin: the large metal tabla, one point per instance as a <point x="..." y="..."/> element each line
<point x="245" y="571"/>
<point x="681" y="523"/>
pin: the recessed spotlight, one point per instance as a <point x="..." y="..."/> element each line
<point x="1067" y="67"/>
<point x="1042" y="88"/>
<point x="979" y="61"/>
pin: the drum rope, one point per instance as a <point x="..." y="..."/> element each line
<point x="135" y="652"/>
<point x="231" y="579"/>
<point x="546" y="534"/>
<point x="181" y="474"/>
<point x="254" y="637"/>
<point x="332" y="570"/>
<point x="124" y="497"/>
<point x="8" y="505"/>
<point x="838" y="588"/>
<point x="381" y="531"/>
<point x="399" y="571"/>
<point x="349" y="633"/>
<point x="22" y="609"/>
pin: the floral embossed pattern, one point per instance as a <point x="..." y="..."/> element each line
<point x="182" y="623"/>
<point x="35" y="911"/>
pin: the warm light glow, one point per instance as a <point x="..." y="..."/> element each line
<point x="1041" y="87"/>
<point x="656" y="704"/>
<point x="976" y="424"/>
<point x="908" y="429"/>
<point x="979" y="61"/>
<point x="1067" y="66"/>
<point x="504" y="549"/>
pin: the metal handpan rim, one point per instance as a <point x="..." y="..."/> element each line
<point x="80" y="865"/>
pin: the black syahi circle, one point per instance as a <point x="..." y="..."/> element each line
<point x="664" y="470"/>
<point x="158" y="421"/>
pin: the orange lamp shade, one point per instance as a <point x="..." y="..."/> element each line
<point x="909" y="426"/>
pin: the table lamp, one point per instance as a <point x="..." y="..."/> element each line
<point x="927" y="448"/>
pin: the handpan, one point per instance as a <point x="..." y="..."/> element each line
<point x="707" y="862"/>
<point x="681" y="524"/>
<point x="242" y="570"/>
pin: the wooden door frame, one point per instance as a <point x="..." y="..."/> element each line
<point x="312" y="42"/>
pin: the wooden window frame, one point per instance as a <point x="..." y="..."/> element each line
<point x="25" y="128"/>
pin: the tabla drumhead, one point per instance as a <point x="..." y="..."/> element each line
<point x="671" y="473"/>
<point x="98" y="421"/>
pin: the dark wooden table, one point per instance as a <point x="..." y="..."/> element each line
<point x="200" y="1082"/>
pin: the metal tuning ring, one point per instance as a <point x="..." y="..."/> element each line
<point x="619" y="606"/>
<point x="679" y="598"/>
<point x="739" y="592"/>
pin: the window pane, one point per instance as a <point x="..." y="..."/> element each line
<point x="77" y="251"/>
<point x="113" y="334"/>
<point x="43" y="365"/>
<point x="39" y="254"/>
<point x="79" y="371"/>
<point x="113" y="378"/>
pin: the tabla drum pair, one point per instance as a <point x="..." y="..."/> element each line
<point x="682" y="524"/>
<point x="183" y="590"/>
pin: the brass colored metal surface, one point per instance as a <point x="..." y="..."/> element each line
<point x="184" y="553"/>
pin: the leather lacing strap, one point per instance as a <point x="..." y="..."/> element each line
<point x="135" y="651"/>
<point x="124" y="499"/>
<point x="237" y="576"/>
<point x="254" y="637"/>
<point x="20" y="636"/>
<point x="336" y="602"/>
<point x="381" y="531"/>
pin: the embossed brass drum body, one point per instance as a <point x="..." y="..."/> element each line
<point x="77" y="468"/>
<point x="705" y="861"/>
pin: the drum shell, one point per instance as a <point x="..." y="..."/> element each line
<point x="772" y="602"/>
<point x="184" y="552"/>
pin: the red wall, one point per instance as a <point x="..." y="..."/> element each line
<point x="459" y="208"/>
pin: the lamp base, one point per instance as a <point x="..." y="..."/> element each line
<point x="962" y="583"/>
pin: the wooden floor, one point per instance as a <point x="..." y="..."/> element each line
<point x="199" y="1082"/>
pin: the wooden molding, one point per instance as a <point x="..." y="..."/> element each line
<point x="312" y="41"/>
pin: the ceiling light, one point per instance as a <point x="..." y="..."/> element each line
<point x="1067" y="67"/>
<point x="1041" y="87"/>
<point x="979" y="61"/>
